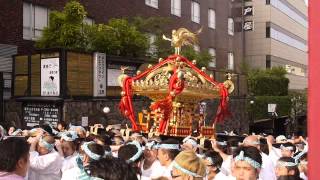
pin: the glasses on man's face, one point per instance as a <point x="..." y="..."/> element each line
<point x="174" y="176"/>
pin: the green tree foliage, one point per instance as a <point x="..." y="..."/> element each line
<point x="269" y="86"/>
<point x="132" y="41"/>
<point x="260" y="106"/>
<point x="270" y="82"/>
<point x="203" y="58"/>
<point x="67" y="30"/>
<point x="155" y="26"/>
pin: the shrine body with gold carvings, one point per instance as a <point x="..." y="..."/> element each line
<point x="176" y="87"/>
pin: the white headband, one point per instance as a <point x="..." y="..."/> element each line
<point x="290" y="148"/>
<point x="138" y="153"/>
<point x="92" y="155"/>
<point x="252" y="162"/>
<point x="286" y="164"/>
<point x="168" y="146"/>
<point x="186" y="171"/>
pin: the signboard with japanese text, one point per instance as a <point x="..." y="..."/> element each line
<point x="114" y="71"/>
<point x="248" y="11"/>
<point x="50" y="77"/>
<point x="38" y="113"/>
<point x="99" y="74"/>
<point x="248" y="26"/>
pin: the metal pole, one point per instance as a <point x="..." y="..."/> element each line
<point x="1" y="98"/>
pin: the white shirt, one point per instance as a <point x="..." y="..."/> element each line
<point x="219" y="176"/>
<point x="226" y="166"/>
<point x="69" y="162"/>
<point x="146" y="173"/>
<point x="45" y="167"/>
<point x="71" y="174"/>
<point x="267" y="170"/>
<point x="162" y="172"/>
<point x="275" y="154"/>
<point x="303" y="176"/>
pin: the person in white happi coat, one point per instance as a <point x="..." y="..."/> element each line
<point x="45" y="162"/>
<point x="69" y="147"/>
<point x="89" y="152"/>
<point x="188" y="166"/>
<point x="167" y="151"/>
<point x="267" y="171"/>
<point x="150" y="163"/>
<point x="247" y="163"/>
<point x="189" y="143"/>
<point x="132" y="153"/>
<point x="213" y="162"/>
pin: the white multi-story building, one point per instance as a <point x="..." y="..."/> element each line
<point x="279" y="38"/>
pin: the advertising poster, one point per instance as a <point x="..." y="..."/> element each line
<point x="50" y="77"/>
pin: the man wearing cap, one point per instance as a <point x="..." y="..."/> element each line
<point x="267" y="167"/>
<point x="45" y="162"/>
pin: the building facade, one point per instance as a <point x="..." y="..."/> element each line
<point x="279" y="38"/>
<point x="219" y="35"/>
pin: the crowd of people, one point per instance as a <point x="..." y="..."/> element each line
<point x="73" y="153"/>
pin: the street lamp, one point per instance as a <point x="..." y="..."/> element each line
<point x="106" y="109"/>
<point x="251" y="123"/>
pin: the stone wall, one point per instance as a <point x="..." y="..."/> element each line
<point x="12" y="114"/>
<point x="237" y="121"/>
<point x="74" y="110"/>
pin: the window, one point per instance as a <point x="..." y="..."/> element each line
<point x="212" y="52"/>
<point x="152" y="47"/>
<point x="196" y="48"/>
<point x="230" y="26"/>
<point x="268" y="61"/>
<point x="35" y="19"/>
<point x="88" y="21"/>
<point x="284" y="38"/>
<point x="267" y="1"/>
<point x="152" y="3"/>
<point x="176" y="7"/>
<point x="212" y="19"/>
<point x="294" y="14"/>
<point x="230" y="61"/>
<point x="195" y="12"/>
<point x="267" y="32"/>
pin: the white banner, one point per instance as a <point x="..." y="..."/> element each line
<point x="99" y="74"/>
<point x="50" y="77"/>
<point x="272" y="108"/>
<point x="113" y="75"/>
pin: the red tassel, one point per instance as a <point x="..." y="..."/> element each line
<point x="125" y="105"/>
<point x="176" y="86"/>
<point x="222" y="111"/>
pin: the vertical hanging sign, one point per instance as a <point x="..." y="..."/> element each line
<point x="50" y="77"/>
<point x="99" y="74"/>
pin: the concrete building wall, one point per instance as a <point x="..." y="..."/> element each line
<point x="279" y="18"/>
<point x="259" y="44"/>
<point x="284" y="51"/>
